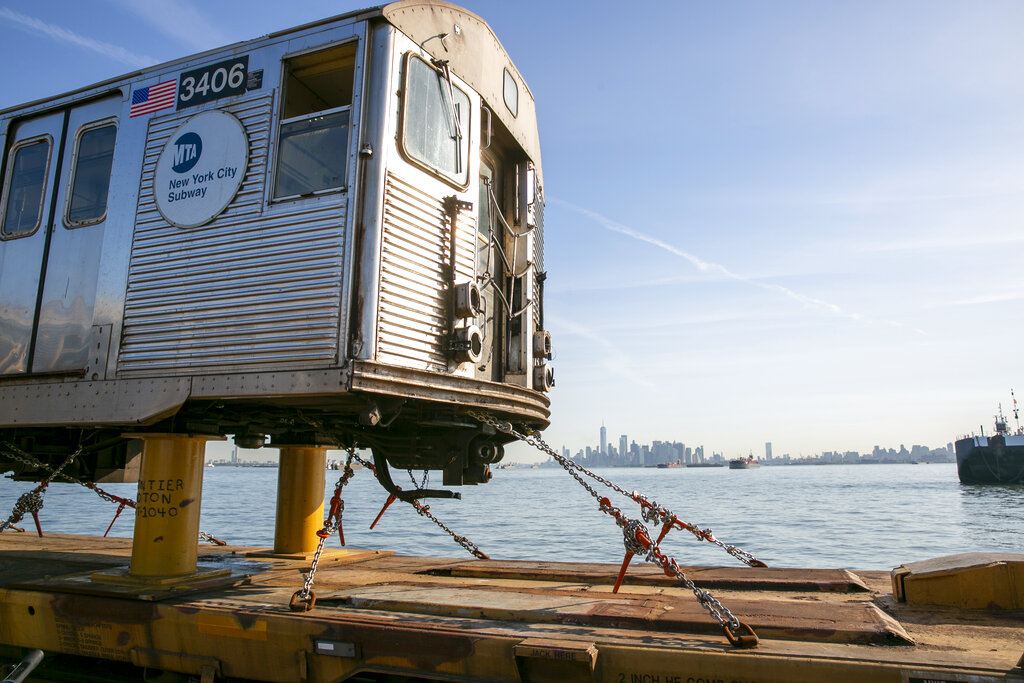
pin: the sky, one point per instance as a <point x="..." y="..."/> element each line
<point x="795" y="222"/>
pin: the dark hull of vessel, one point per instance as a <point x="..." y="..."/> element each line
<point x="990" y="460"/>
<point x="743" y="464"/>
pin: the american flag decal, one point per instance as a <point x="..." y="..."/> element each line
<point x="153" y="98"/>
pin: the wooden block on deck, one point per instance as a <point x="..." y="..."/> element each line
<point x="842" y="622"/>
<point x="729" y="578"/>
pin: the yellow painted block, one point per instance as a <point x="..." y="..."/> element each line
<point x="226" y="625"/>
<point x="967" y="581"/>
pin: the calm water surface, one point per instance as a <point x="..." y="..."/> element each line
<point x="853" y="516"/>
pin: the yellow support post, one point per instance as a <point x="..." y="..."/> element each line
<point x="165" y="543"/>
<point x="300" y="499"/>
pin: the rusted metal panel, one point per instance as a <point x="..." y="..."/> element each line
<point x="463" y="392"/>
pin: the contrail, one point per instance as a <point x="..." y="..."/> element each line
<point x="63" y="35"/>
<point x="615" y="361"/>
<point x="717" y="268"/>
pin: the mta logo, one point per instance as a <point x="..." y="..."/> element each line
<point x="187" y="150"/>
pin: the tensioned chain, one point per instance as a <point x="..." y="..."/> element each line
<point x="304" y="599"/>
<point x="651" y="511"/>
<point x="423" y="482"/>
<point x="24" y="458"/>
<point x="31" y="502"/>
<point x="633" y="530"/>
<point x="424" y="511"/>
<point x="638" y="542"/>
<point x="203" y="536"/>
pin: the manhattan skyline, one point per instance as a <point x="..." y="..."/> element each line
<point x="630" y="453"/>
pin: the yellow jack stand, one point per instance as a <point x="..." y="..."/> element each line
<point x="300" y="499"/>
<point x="165" y="543"/>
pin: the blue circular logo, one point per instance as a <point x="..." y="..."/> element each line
<point x="187" y="150"/>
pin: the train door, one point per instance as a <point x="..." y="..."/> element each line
<point x="56" y="177"/>
<point x="490" y="268"/>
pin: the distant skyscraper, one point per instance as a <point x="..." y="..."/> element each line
<point x="604" y="440"/>
<point x="623" y="446"/>
<point x="767" y="450"/>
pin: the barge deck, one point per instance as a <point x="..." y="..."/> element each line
<point x="380" y="616"/>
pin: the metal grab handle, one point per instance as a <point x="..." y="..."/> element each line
<point x="25" y="667"/>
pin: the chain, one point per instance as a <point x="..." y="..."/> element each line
<point x="423" y="483"/>
<point x="424" y="511"/>
<point x="651" y="511"/>
<point x="637" y="541"/>
<point x="21" y="456"/>
<point x="203" y="536"/>
<point x="24" y="458"/>
<point x="636" y="537"/>
<point x="31" y="502"/>
<point x="304" y="599"/>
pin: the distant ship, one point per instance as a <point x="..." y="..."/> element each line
<point x="747" y="463"/>
<point x="666" y="465"/>
<point x="996" y="459"/>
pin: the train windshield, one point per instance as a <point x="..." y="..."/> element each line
<point x="436" y="121"/>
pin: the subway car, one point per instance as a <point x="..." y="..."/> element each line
<point x="329" y="235"/>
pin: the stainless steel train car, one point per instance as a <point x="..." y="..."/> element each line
<point x="332" y="234"/>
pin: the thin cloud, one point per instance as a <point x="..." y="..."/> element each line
<point x="948" y="243"/>
<point x="180" y="21"/>
<point x="985" y="299"/>
<point x="68" y="37"/>
<point x="712" y="268"/>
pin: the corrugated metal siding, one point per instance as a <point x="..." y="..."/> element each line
<point x="243" y="291"/>
<point x="413" y="311"/>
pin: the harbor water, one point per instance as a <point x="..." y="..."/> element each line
<point x="850" y="516"/>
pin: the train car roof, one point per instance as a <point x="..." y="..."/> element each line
<point x="474" y="53"/>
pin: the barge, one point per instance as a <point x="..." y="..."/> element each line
<point x="384" y="617"/>
<point x="995" y="459"/>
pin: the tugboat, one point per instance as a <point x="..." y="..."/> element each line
<point x="996" y="459"/>
<point x="747" y="463"/>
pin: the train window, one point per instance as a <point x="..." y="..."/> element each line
<point x="27" y="166"/>
<point x="435" y="121"/>
<point x="511" y="92"/>
<point x="313" y="142"/>
<point x="90" y="180"/>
